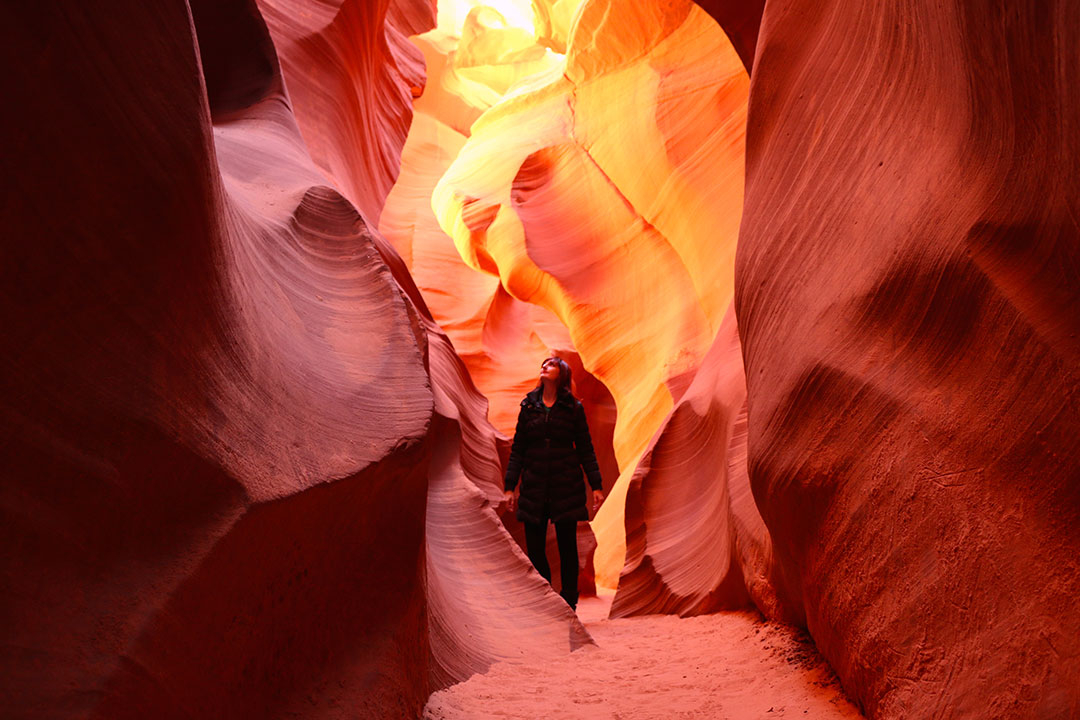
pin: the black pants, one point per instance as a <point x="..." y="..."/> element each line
<point x="536" y="545"/>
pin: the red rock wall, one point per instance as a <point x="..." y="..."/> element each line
<point x="907" y="293"/>
<point x="219" y="389"/>
<point x="197" y="321"/>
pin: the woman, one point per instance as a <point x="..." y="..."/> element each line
<point x="551" y="446"/>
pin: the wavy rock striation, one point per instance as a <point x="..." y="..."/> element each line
<point x="584" y="205"/>
<point x="907" y="285"/>
<point x="695" y="541"/>
<point x="236" y="442"/>
<point x="226" y="378"/>
<point x="352" y="74"/>
<point x="501" y="339"/>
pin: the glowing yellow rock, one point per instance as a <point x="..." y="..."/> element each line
<point x="598" y="191"/>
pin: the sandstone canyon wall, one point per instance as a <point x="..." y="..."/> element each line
<point x="197" y="316"/>
<point x="907" y="296"/>
<point x="352" y="75"/>
<point x="472" y="59"/>
<point x="242" y="465"/>
<point x="584" y="205"/>
<point x="264" y="281"/>
<point x="695" y="540"/>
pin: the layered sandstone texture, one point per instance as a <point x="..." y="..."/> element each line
<point x="580" y="203"/>
<point x="908" y="286"/>
<point x="695" y="540"/>
<point x="472" y="58"/>
<point x="274" y="261"/>
<point x="245" y="473"/>
<point x="352" y="74"/>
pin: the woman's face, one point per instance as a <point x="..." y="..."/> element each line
<point x="550" y="370"/>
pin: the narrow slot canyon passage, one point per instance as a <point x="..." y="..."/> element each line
<point x="619" y="359"/>
<point x="495" y="193"/>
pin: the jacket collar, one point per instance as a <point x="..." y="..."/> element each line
<point x="535" y="397"/>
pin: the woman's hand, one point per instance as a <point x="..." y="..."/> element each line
<point x="511" y="500"/>
<point x="597" y="498"/>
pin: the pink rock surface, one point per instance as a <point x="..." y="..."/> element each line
<point x="907" y="289"/>
<point x="485" y="602"/>
<point x="695" y="541"/>
<point x="235" y="438"/>
<point x="351" y="78"/>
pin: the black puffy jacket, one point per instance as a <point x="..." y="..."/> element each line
<point x="550" y="449"/>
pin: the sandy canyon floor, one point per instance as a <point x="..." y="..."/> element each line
<point x="728" y="666"/>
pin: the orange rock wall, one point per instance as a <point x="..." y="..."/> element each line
<point x="547" y="194"/>
<point x="907" y="288"/>
<point x="501" y="339"/>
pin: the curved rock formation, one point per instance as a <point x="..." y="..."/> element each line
<point x="586" y="206"/>
<point x="500" y="339"/>
<point x="907" y="287"/>
<point x="235" y="438"/>
<point x="224" y="377"/>
<point x="351" y="79"/>
<point x="695" y="542"/>
<point x="741" y="22"/>
<point x="553" y="22"/>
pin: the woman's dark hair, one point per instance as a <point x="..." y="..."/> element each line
<point x="565" y="374"/>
